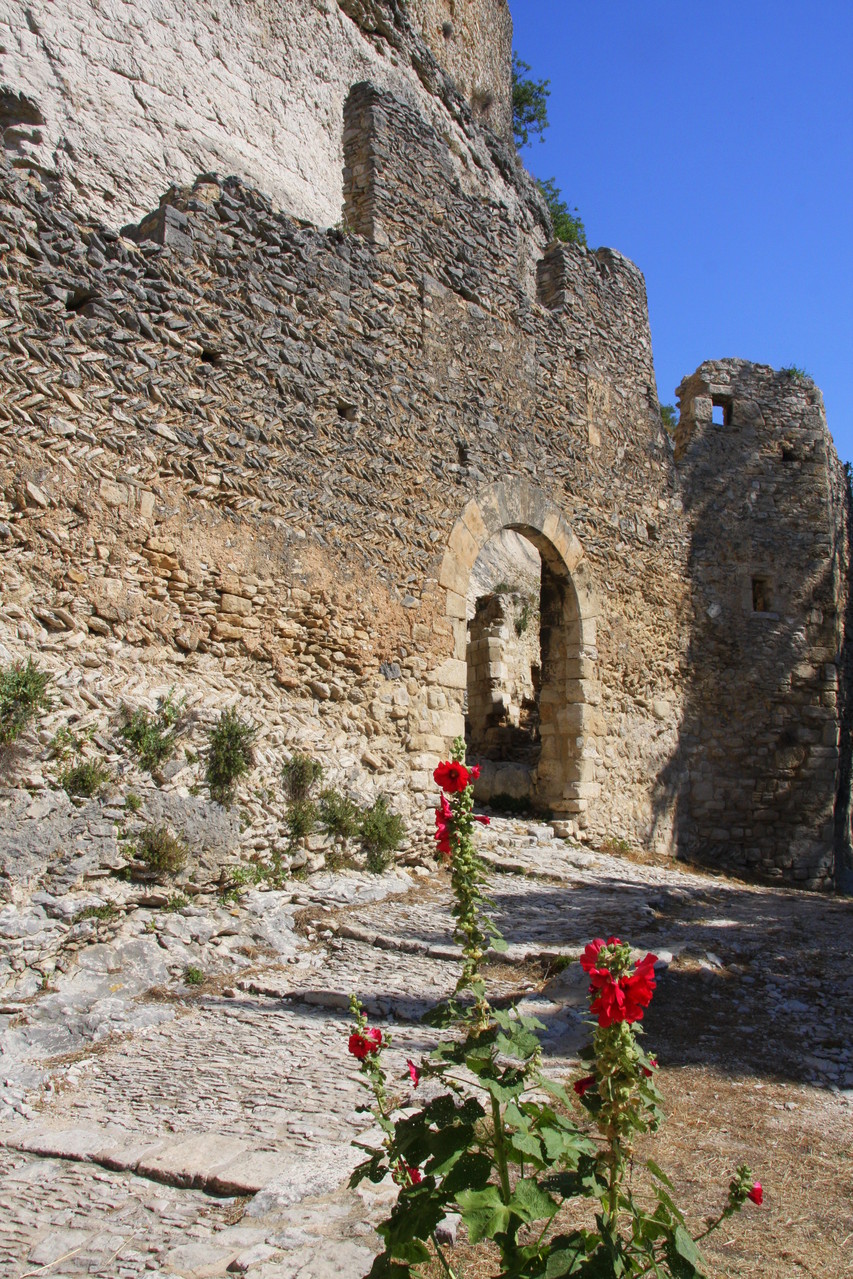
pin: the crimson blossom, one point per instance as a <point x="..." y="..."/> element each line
<point x="452" y="776"/>
<point x="362" y="1045"/>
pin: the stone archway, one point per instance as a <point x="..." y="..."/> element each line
<point x="566" y="774"/>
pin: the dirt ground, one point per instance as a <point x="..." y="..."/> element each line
<point x="751" y="1023"/>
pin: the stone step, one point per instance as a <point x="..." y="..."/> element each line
<point x="214" y="1162"/>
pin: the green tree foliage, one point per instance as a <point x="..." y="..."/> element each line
<point x="669" y="417"/>
<point x="566" y="221"/>
<point x="529" y="103"/>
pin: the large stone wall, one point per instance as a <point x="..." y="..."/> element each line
<point x="273" y="456"/>
<point x="112" y="101"/>
<point x="273" y="437"/>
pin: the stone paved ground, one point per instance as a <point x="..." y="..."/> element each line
<point x="149" y="1126"/>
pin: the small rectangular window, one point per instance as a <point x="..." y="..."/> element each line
<point x="762" y="601"/>
<point x="721" y="414"/>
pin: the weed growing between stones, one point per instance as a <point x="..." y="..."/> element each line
<point x="193" y="976"/>
<point x="230" y="755"/>
<point x="339" y="815"/>
<point x="104" y="913"/>
<point x="160" y="853"/>
<point x="23" y="696"/>
<point x="299" y="776"/>
<point x="85" y="778"/>
<point x="152" y="737"/>
<point x="496" y="1142"/>
<point x="381" y="833"/>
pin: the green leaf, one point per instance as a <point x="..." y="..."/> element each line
<point x="556" y="1090"/>
<point x="530" y="1202"/>
<point x="471" y="1171"/>
<point x="384" y="1268"/>
<point x="483" y="1213"/>
<point x="413" y="1251"/>
<point x="499" y="944"/>
<point x="526" y="1146"/>
<point x="659" y="1173"/>
<point x="568" y="1253"/>
<point x="686" y="1247"/>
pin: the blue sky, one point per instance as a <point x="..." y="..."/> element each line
<point x="713" y="145"/>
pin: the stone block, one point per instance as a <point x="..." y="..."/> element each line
<point x="452" y="673"/>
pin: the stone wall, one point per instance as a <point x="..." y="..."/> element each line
<point x="112" y="101"/>
<point x="766" y="497"/>
<point x="269" y="456"/>
<point x="249" y="436"/>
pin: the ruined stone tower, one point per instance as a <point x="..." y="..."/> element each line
<point x="272" y="423"/>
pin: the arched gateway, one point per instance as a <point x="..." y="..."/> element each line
<point x="565" y="777"/>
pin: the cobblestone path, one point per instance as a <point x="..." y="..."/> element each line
<point x="151" y="1127"/>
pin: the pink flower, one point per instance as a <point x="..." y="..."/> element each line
<point x="581" y="1085"/>
<point x="756" y="1194"/>
<point x="482" y="819"/>
<point x="414" y="1073"/>
<point x="361" y="1045"/>
<point x="451" y="777"/>
<point x="474" y="772"/>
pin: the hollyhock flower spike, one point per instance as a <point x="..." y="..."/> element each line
<point x="451" y="777"/>
<point x="362" y="1045"/>
<point x="756" y="1194"/>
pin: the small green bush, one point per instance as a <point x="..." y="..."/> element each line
<point x="162" y="852"/>
<point x="105" y="912"/>
<point x="301" y="820"/>
<point x="23" y="695"/>
<point x="339" y="816"/>
<point x="193" y="976"/>
<point x="132" y="802"/>
<point x="176" y="902"/>
<point x="85" y="778"/>
<point x="794" y="371"/>
<point x="381" y="833"/>
<point x="300" y="774"/>
<point x="152" y="737"/>
<point x="230" y="755"/>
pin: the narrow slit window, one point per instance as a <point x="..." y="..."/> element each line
<point x="721" y="414"/>
<point x="762" y="598"/>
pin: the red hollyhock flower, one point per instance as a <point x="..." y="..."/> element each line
<point x="443" y="845"/>
<point x="581" y="1085"/>
<point x="639" y="987"/>
<point x="361" y="1045"/>
<point x="415" y="1175"/>
<point x="474" y="772"/>
<point x="653" y="1062"/>
<point x="590" y="954"/>
<point x="756" y="1194"/>
<point x="482" y="819"/>
<point x="414" y="1073"/>
<point x="609" y="1004"/>
<point x="451" y="777"/>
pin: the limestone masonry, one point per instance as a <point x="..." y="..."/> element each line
<point x="289" y="355"/>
